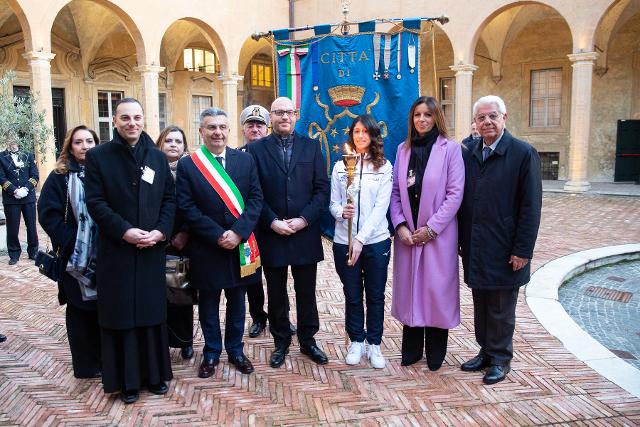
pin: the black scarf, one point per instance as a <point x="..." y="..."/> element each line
<point x="420" y="151"/>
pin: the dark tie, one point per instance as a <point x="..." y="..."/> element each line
<point x="486" y="152"/>
<point x="286" y="144"/>
<point x="219" y="159"/>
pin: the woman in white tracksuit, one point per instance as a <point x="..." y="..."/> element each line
<point x="365" y="272"/>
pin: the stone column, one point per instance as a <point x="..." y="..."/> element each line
<point x="230" y="105"/>
<point x="580" y="121"/>
<point x="149" y="99"/>
<point x="40" y="63"/>
<point x="464" y="102"/>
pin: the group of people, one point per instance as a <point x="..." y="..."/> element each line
<point x="112" y="211"/>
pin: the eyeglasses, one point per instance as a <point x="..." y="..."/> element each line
<point x="281" y="113"/>
<point x="492" y="116"/>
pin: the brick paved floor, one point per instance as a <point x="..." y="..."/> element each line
<point x="605" y="302"/>
<point x="547" y="385"/>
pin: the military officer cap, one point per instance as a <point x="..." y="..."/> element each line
<point x="254" y="113"/>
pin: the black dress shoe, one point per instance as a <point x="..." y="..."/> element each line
<point x="292" y="329"/>
<point x="129" y="396"/>
<point x="242" y="364"/>
<point x="495" y="374"/>
<point x="160" y="388"/>
<point x="434" y="366"/>
<point x="315" y="353"/>
<point x="207" y="368"/>
<point x="32" y="257"/>
<point x="2" y="338"/>
<point x="187" y="352"/>
<point x="13" y="261"/>
<point x="278" y="356"/>
<point x="478" y="363"/>
<point x="257" y="328"/>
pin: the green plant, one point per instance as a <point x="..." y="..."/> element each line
<point x="20" y="120"/>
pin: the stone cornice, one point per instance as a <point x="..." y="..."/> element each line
<point x="583" y="56"/>
<point x="149" y="69"/>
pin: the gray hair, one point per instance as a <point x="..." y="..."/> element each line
<point x="212" y="112"/>
<point x="490" y="99"/>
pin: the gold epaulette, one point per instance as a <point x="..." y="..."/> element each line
<point x="33" y="181"/>
<point x="6" y="185"/>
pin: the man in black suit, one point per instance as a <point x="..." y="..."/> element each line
<point x="219" y="197"/>
<point x="131" y="197"/>
<point x="18" y="178"/>
<point x="498" y="223"/>
<point x="296" y="193"/>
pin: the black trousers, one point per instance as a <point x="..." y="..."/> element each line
<point x="83" y="333"/>
<point x="430" y="339"/>
<point x="304" y="283"/>
<point x="494" y="315"/>
<point x="12" y="214"/>
<point x="255" y="297"/>
<point x="180" y="325"/>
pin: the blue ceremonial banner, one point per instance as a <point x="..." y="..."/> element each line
<point x="334" y="78"/>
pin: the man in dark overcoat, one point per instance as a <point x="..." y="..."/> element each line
<point x="18" y="178"/>
<point x="215" y="234"/>
<point x="130" y="195"/>
<point x="498" y="223"/>
<point x="296" y="193"/>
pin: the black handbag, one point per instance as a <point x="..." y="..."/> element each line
<point x="48" y="261"/>
<point x="177" y="271"/>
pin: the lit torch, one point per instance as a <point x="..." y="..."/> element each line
<point x="350" y="161"/>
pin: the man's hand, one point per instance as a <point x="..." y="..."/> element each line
<point x="150" y="239"/>
<point x="356" y="250"/>
<point x="229" y="240"/>
<point x="282" y="227"/>
<point x="517" y="263"/>
<point x="180" y="240"/>
<point x="133" y="235"/>
<point x="405" y="235"/>
<point x="348" y="211"/>
<point x="21" y="193"/>
<point x="296" y="224"/>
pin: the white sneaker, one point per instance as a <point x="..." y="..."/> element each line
<point x="375" y="357"/>
<point x="356" y="351"/>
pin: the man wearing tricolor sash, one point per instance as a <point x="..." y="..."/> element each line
<point x="296" y="193"/>
<point x="219" y="195"/>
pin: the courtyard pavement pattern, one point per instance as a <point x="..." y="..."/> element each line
<point x="547" y="384"/>
<point x="605" y="302"/>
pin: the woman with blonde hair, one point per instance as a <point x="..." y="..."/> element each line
<point x="428" y="182"/>
<point x="173" y="143"/>
<point x="62" y="213"/>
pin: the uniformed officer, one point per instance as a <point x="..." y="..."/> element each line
<point x="18" y="178"/>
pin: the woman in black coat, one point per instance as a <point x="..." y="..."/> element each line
<point x="173" y="143"/>
<point x="60" y="208"/>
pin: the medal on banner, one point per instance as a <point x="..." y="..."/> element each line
<point x="411" y="54"/>
<point x="399" y="58"/>
<point x="386" y="58"/>
<point x="376" y="56"/>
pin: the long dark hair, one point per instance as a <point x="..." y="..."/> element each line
<point x="376" y="148"/>
<point x="438" y="117"/>
<point x="62" y="165"/>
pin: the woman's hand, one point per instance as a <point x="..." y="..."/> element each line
<point x="356" y="250"/>
<point x="420" y="236"/>
<point x="405" y="235"/>
<point x="348" y="211"/>
<point x="180" y="240"/>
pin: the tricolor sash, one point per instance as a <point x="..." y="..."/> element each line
<point x="221" y="182"/>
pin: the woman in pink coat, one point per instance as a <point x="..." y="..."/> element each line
<point x="428" y="182"/>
